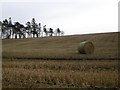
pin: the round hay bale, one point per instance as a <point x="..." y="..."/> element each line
<point x="86" y="47"/>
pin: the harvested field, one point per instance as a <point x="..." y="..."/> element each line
<point x="65" y="47"/>
<point x="54" y="62"/>
<point x="60" y="74"/>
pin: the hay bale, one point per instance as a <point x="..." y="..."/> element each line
<point x="86" y="47"/>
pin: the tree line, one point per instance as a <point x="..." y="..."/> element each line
<point x="9" y="30"/>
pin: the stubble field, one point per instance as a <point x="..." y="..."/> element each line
<point x="53" y="62"/>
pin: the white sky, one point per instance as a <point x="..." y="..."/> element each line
<point x="71" y="16"/>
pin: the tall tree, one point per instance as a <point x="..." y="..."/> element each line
<point x="34" y="28"/>
<point x="0" y="29"/>
<point x="39" y="29"/>
<point x="51" y="31"/>
<point x="45" y="30"/>
<point x="17" y="30"/>
<point x="10" y="25"/>
<point x="5" y="29"/>
<point x="28" y="29"/>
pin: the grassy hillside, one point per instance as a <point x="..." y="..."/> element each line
<point x="63" y="47"/>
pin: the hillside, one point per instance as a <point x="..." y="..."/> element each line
<point x="62" y="47"/>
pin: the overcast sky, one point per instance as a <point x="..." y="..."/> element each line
<point x="71" y="16"/>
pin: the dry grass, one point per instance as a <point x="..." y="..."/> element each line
<point x="56" y="74"/>
<point x="55" y="62"/>
<point x="61" y="47"/>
